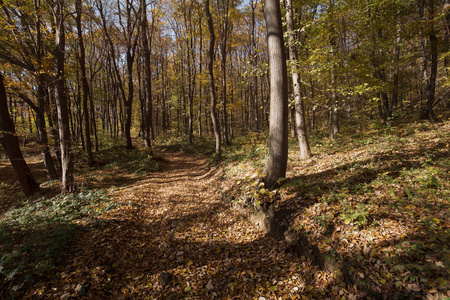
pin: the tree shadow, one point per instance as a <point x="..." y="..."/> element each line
<point x="420" y="252"/>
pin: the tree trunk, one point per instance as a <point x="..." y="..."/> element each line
<point x="10" y="143"/>
<point x="190" y="49"/>
<point x="200" y="131"/>
<point x="278" y="126"/>
<point x="226" y="4"/>
<point x="396" y="77"/>
<point x="40" y="111"/>
<point x="334" y="125"/>
<point x="61" y="101"/>
<point x="305" y="152"/>
<point x="254" y="60"/>
<point x="148" y="108"/>
<point x="430" y="88"/>
<point x="84" y="82"/>
<point x="212" y="40"/>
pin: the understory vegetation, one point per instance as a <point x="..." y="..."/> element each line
<point x="376" y="200"/>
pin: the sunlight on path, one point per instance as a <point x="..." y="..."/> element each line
<point x="174" y="237"/>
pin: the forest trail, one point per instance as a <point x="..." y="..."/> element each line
<point x="173" y="237"/>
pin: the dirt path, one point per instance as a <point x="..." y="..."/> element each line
<point x="174" y="238"/>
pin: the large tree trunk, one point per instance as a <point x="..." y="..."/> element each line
<point x="10" y="143"/>
<point x="305" y="151"/>
<point x="61" y="101"/>
<point x="212" y="40"/>
<point x="84" y="82"/>
<point x="278" y="126"/>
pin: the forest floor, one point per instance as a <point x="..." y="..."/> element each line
<point x="140" y="228"/>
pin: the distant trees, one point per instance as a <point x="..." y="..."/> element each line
<point x="76" y="69"/>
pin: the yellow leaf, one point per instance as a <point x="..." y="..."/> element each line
<point x="189" y="263"/>
<point x="382" y="281"/>
<point x="436" y="220"/>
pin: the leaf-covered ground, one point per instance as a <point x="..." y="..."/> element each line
<point x="139" y="228"/>
<point x="376" y="201"/>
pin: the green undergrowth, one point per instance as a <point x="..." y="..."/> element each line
<point x="34" y="237"/>
<point x="377" y="198"/>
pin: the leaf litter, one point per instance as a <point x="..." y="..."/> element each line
<point x="380" y="208"/>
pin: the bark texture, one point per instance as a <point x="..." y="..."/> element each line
<point x="278" y="125"/>
<point x="67" y="179"/>
<point x="212" y="40"/>
<point x="300" y="119"/>
<point x="10" y="143"/>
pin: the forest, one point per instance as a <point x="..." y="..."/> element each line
<point x="224" y="149"/>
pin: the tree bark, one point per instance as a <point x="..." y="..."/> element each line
<point x="148" y="107"/>
<point x="40" y="109"/>
<point x="430" y="88"/>
<point x="278" y="126"/>
<point x="212" y="40"/>
<point x="254" y="60"/>
<point x="84" y="82"/>
<point x="396" y="77"/>
<point x="223" y="50"/>
<point x="305" y="152"/>
<point x="10" y="143"/>
<point x="67" y="184"/>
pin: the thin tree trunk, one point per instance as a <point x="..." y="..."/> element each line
<point x="305" y="151"/>
<point x="223" y="51"/>
<point x="84" y="82"/>
<point x="430" y="88"/>
<point x="10" y="143"/>
<point x="254" y="59"/>
<point x="148" y="109"/>
<point x="61" y="101"/>
<point x="200" y="131"/>
<point x="212" y="41"/>
<point x="396" y="77"/>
